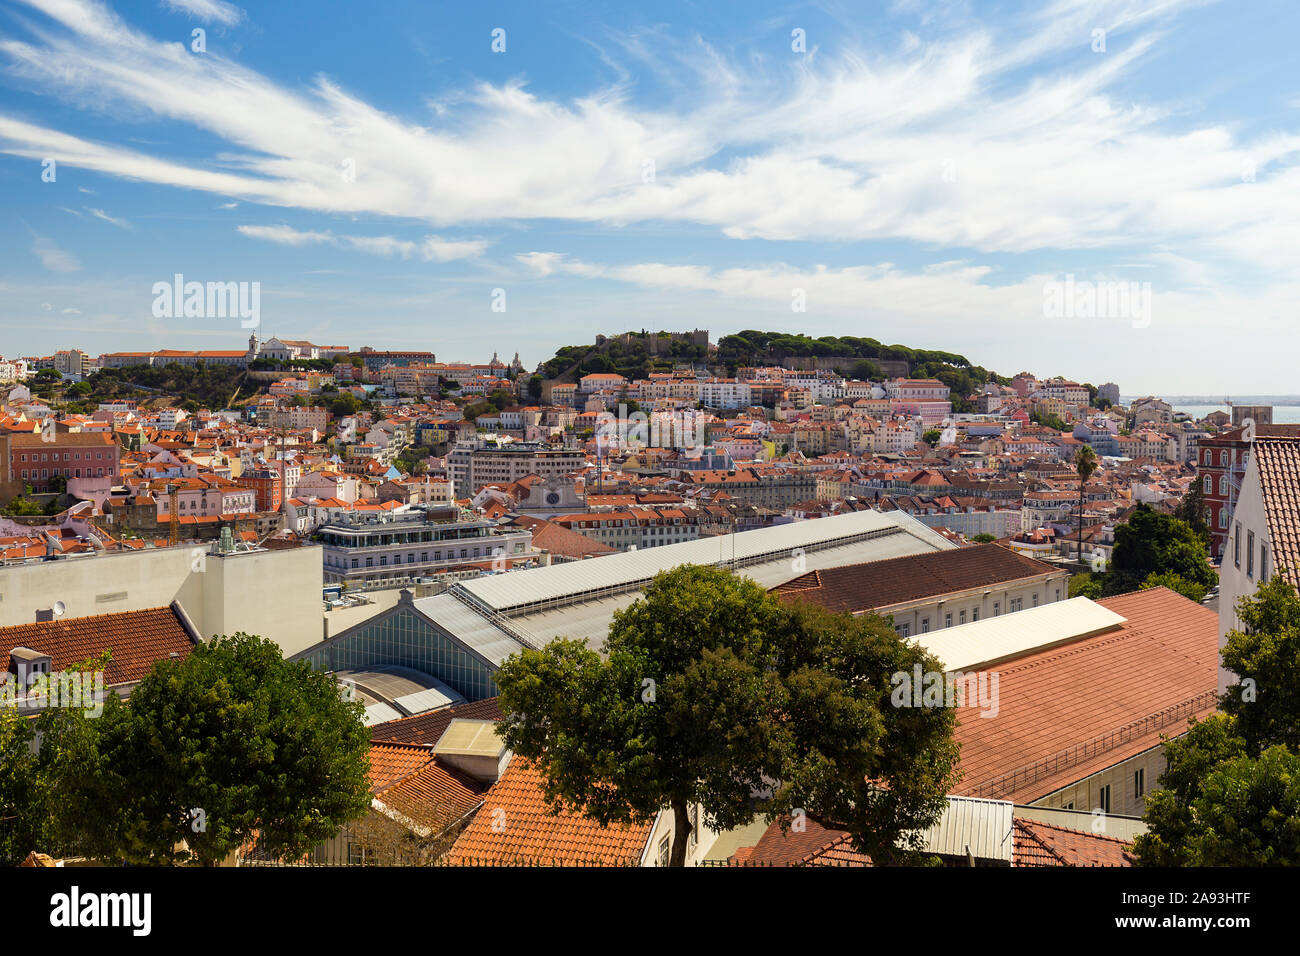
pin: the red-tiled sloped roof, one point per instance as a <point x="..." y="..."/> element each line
<point x="390" y="762"/>
<point x="1036" y="843"/>
<point x="814" y="845"/>
<point x="881" y="584"/>
<point x="425" y="729"/>
<point x="1278" y="461"/>
<point x="1102" y="699"/>
<point x="515" y="826"/>
<point x="136" y="639"/>
<point x="435" y="796"/>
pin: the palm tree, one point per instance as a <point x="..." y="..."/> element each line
<point x="1085" y="463"/>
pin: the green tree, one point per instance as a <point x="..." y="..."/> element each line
<point x="23" y="806"/>
<point x="1265" y="657"/>
<point x="231" y="744"/>
<point x="711" y="689"/>
<point x="1192" y="510"/>
<point x="1152" y="543"/>
<point x="1085" y="463"/>
<point x="984" y="538"/>
<point x="1168" y="579"/>
<point x="1229" y="795"/>
<point x="931" y="437"/>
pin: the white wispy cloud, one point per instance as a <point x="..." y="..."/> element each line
<point x="209" y="11"/>
<point x="100" y="214"/>
<point x="430" y="248"/>
<point x="52" y="257"/>
<point x="979" y="139"/>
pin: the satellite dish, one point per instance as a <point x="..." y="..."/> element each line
<point x="59" y="608"/>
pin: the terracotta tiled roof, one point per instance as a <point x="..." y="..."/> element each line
<point x="515" y="826"/>
<point x="1096" y="698"/>
<point x="815" y="845"/>
<point x="390" y="762"/>
<point x="880" y="584"/>
<point x="1035" y="843"/>
<point x="1278" y="461"/>
<point x="136" y="638"/>
<point x="435" y="796"/>
<point x="425" y="729"/>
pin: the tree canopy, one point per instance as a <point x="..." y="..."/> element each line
<point x="231" y="744"/>
<point x="1230" y="795"/>
<point x="709" y="692"/>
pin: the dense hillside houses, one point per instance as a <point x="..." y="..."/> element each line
<point x="444" y="516"/>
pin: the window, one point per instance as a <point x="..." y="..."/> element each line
<point x="1070" y="805"/>
<point x="1236" y="544"/>
<point x="663" y="851"/>
<point x="1223" y="458"/>
<point x="947" y="620"/>
<point x="1209" y="456"/>
<point x="975" y="614"/>
<point x="1250" y="554"/>
<point x="1208" y="485"/>
<point x="1103" y="798"/>
<point x="1035" y="599"/>
<point x="904" y="629"/>
<point x="1223" y="486"/>
<point x="1139" y="782"/>
<point x="1263" y="561"/>
<point x="1223" y="517"/>
<point x="997" y="608"/>
<point x="961" y="618"/>
<point x="1058" y="594"/>
<point x="925" y="625"/>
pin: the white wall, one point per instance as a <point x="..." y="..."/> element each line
<point x="276" y="594"/>
<point x="1233" y="581"/>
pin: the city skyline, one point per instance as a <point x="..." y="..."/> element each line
<point x="931" y="175"/>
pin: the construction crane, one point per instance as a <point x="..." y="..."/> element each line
<point x="174" y="525"/>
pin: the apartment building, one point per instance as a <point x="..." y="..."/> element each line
<point x="31" y="460"/>
<point x="392" y="549"/>
<point x="473" y="464"/>
<point x="637" y="528"/>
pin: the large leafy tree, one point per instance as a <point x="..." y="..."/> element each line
<point x="1265" y="656"/>
<point x="232" y="744"/>
<point x="712" y="692"/>
<point x="1230" y="794"/>
<point x="1154" y="543"/>
<point x="1192" y="510"/>
<point x="23" y="812"/>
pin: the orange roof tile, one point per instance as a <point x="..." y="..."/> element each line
<point x="137" y="639"/>
<point x="516" y="825"/>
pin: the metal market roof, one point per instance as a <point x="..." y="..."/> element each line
<point x="575" y="581"/>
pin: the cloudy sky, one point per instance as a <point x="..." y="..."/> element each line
<point x="923" y="173"/>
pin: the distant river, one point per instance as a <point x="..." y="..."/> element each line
<point x="1282" y="414"/>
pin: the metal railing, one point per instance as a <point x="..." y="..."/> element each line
<point x="1008" y="783"/>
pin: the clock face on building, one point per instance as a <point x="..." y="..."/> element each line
<point x="552" y="497"/>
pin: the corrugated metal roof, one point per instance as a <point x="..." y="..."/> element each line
<point x="519" y="588"/>
<point x="589" y="620"/>
<point x="971" y="646"/>
<point x="427" y="700"/>
<point x="981" y="828"/>
<point x="472" y="629"/>
<point x="380" y="714"/>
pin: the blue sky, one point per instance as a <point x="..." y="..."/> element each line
<point x="921" y="173"/>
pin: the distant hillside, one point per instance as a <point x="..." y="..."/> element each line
<point x="630" y="355"/>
